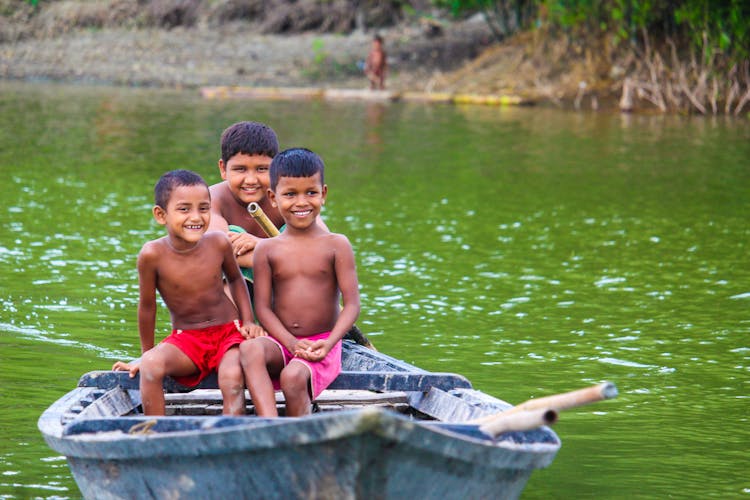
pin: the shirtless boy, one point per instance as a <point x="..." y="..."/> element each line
<point x="247" y="149"/>
<point x="376" y="64"/>
<point x="186" y="268"/>
<point x="300" y="276"/>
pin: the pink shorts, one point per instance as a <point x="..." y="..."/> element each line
<point x="205" y="347"/>
<point x="322" y="372"/>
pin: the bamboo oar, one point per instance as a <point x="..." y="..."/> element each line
<point x="262" y="219"/>
<point x="519" y="421"/>
<point x="559" y="402"/>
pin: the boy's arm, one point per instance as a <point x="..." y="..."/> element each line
<point x="236" y="283"/>
<point x="147" y="300"/>
<point x="243" y="246"/>
<point x="263" y="296"/>
<point x="146" y="308"/>
<point x="242" y="243"/>
<point x="346" y="276"/>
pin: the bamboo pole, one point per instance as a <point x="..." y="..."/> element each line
<point x="262" y="219"/>
<point x="559" y="402"/>
<point x="518" y="421"/>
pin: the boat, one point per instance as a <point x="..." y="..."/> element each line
<point x="383" y="429"/>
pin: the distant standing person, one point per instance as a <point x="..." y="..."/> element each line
<point x="300" y="277"/>
<point x="186" y="268"/>
<point x="376" y="64"/>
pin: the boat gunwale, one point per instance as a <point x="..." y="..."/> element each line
<point x="253" y="436"/>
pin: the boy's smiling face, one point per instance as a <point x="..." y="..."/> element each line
<point x="186" y="216"/>
<point x="247" y="176"/>
<point x="299" y="199"/>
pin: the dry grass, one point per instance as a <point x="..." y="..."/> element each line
<point x="533" y="67"/>
<point x="578" y="72"/>
<point x="682" y="82"/>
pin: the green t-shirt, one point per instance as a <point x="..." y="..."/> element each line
<point x="247" y="272"/>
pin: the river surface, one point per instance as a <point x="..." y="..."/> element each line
<point x="534" y="251"/>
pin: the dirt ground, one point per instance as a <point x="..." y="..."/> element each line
<point x="455" y="56"/>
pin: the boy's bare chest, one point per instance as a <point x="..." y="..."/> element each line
<point x="195" y="270"/>
<point x="302" y="263"/>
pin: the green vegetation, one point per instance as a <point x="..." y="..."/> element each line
<point x="323" y="64"/>
<point x="706" y="25"/>
<point x="684" y="55"/>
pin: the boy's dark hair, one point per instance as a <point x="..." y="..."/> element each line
<point x="250" y="138"/>
<point x="295" y="162"/>
<point x="172" y="180"/>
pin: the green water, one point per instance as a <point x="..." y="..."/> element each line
<point x="534" y="251"/>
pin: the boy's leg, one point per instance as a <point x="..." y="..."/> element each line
<point x="164" y="359"/>
<point x="231" y="382"/>
<point x="261" y="359"/>
<point x="295" y="383"/>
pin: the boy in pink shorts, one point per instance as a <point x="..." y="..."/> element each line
<point x="300" y="277"/>
<point x="186" y="268"/>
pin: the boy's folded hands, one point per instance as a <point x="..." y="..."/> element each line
<point x="251" y="331"/>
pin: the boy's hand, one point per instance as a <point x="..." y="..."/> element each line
<point x="242" y="243"/>
<point x="311" y="350"/>
<point x="301" y="345"/>
<point x="122" y="366"/>
<point x="252" y="330"/>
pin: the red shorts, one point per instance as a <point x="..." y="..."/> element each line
<point x="205" y="347"/>
<point x="322" y="372"/>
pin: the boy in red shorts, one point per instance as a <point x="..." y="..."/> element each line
<point x="186" y="268"/>
<point x="300" y="276"/>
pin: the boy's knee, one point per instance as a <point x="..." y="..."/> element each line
<point x="294" y="379"/>
<point x="250" y="351"/>
<point x="152" y="367"/>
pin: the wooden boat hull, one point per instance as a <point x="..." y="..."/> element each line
<point x="358" y="453"/>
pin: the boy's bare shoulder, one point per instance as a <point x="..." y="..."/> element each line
<point x="339" y="238"/>
<point x="152" y="248"/>
<point x="215" y="236"/>
<point x="217" y="239"/>
<point x="151" y="252"/>
<point x="265" y="243"/>
<point x="218" y="189"/>
<point x="338" y="242"/>
<point x="219" y="194"/>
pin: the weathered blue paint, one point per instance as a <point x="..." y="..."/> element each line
<point x="363" y="453"/>
<point x="369" y="381"/>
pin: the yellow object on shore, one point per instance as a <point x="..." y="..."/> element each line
<point x="292" y="93"/>
<point x="495" y="100"/>
<point x="268" y="93"/>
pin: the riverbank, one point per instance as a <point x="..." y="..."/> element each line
<point x="435" y="56"/>
<point x="120" y="42"/>
<point x="195" y="58"/>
